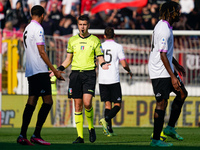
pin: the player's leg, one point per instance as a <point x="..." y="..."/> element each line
<point x="79" y="119"/>
<point x="27" y="115"/>
<point x="29" y="109"/>
<point x="175" y="112"/>
<point x="111" y="93"/>
<point x="105" y="97"/>
<point x="41" y="118"/>
<point x="108" y="118"/>
<point x="116" y="98"/>
<point x="87" y="100"/>
<point x="108" y="107"/>
<point x="89" y="80"/>
<point x="44" y="91"/>
<point x="75" y="92"/>
<point x="159" y="115"/>
<point x="161" y="89"/>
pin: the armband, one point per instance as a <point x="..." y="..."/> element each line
<point x="103" y="63"/>
<point x="61" y="68"/>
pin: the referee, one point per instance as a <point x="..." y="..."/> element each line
<point x="82" y="51"/>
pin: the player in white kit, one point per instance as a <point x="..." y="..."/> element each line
<point x="163" y="75"/>
<point x="109" y="80"/>
<point x="37" y="63"/>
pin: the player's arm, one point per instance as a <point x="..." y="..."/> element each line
<point x="175" y="82"/>
<point x="102" y="63"/>
<point x="126" y="67"/>
<point x="179" y="68"/>
<point x="44" y="56"/>
<point x="68" y="60"/>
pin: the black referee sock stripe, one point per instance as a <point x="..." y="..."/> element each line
<point x="27" y="115"/>
<point x="89" y="110"/>
<point x="158" y="123"/>
<point x="79" y="113"/>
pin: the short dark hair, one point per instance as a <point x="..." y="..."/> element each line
<point x="37" y="10"/>
<point x="109" y="32"/>
<point x="84" y="17"/>
<point x="169" y="9"/>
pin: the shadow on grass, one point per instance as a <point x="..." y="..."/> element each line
<point x="91" y="146"/>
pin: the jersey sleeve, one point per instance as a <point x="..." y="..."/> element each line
<point x="98" y="49"/>
<point x="39" y="36"/>
<point x="69" y="47"/>
<point x="162" y="41"/>
<point x="121" y="54"/>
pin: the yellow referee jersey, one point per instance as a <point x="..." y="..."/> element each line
<point x="84" y="51"/>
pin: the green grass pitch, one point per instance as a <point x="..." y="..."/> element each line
<point x="127" y="139"/>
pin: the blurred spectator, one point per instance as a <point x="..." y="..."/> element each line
<point x="181" y="25"/>
<point x="13" y="3"/>
<point x="96" y="22"/>
<point x="139" y="22"/>
<point x="70" y="5"/>
<point x="86" y="6"/>
<point x="115" y="23"/>
<point x="52" y="3"/>
<point x="32" y="3"/>
<point x="1" y="7"/>
<point x="9" y="32"/>
<point x="132" y="24"/>
<point x="146" y="18"/>
<point x="73" y="18"/>
<point x="6" y="6"/>
<point x="193" y="20"/>
<point x="48" y="25"/>
<point x="16" y="16"/>
<point x="186" y="6"/>
<point x="55" y="14"/>
<point x="19" y="33"/>
<point x="26" y="10"/>
<point x="43" y="3"/>
<point x="65" y="27"/>
<point x="155" y="14"/>
<point x="108" y="16"/>
<point x="2" y="16"/>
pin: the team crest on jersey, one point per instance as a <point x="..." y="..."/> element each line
<point x="82" y="47"/>
<point x="163" y="43"/>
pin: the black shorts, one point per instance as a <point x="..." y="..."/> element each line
<point x="81" y="82"/>
<point x="111" y="92"/>
<point x="39" y="84"/>
<point x="162" y="87"/>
